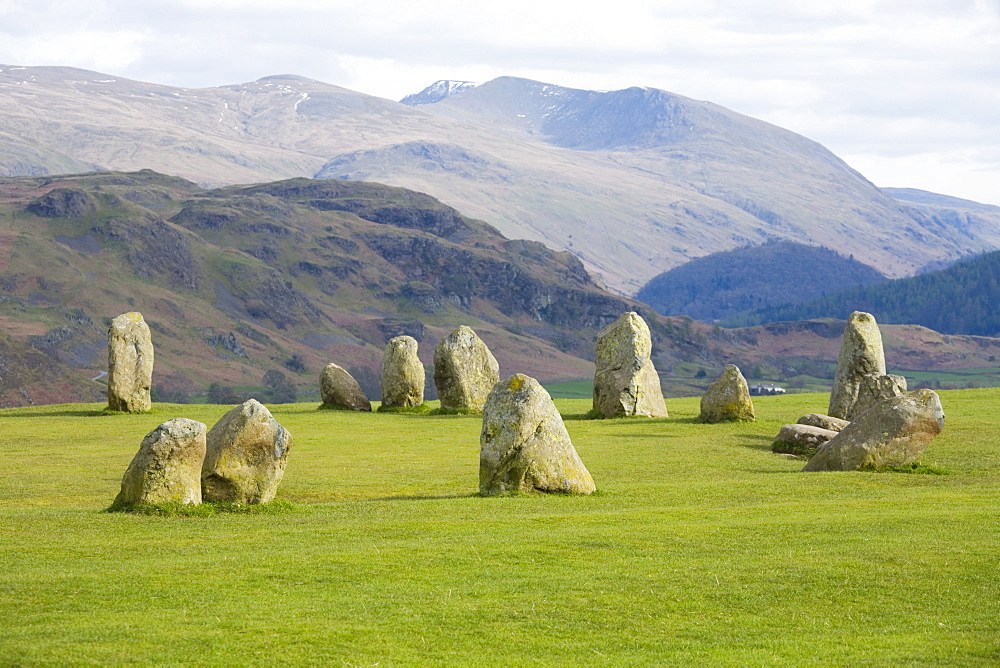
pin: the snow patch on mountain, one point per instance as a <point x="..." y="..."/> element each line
<point x="437" y="91"/>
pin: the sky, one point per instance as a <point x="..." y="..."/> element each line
<point x="905" y="91"/>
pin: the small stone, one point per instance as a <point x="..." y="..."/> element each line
<point x="873" y="389"/>
<point x="167" y="467"/>
<point x="402" y="374"/>
<point x="727" y="399"/>
<point x="802" y="438"/>
<point x="245" y="456"/>
<point x="861" y="354"/>
<point x="524" y="445"/>
<point x="465" y="371"/>
<point x="823" y="421"/>
<point x="130" y="364"/>
<point x="625" y="381"/>
<point x="339" y="389"/>
<point x="893" y="432"/>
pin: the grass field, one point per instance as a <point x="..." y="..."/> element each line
<point x="701" y="546"/>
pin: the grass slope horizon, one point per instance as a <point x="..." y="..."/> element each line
<point x="701" y="546"/>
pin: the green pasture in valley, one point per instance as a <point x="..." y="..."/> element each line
<point x="700" y="547"/>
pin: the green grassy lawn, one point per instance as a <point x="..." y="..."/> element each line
<point x="701" y="546"/>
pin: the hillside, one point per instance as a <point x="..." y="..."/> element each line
<point x="961" y="299"/>
<point x="633" y="182"/>
<point x="722" y="284"/>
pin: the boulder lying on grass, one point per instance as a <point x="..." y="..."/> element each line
<point x="130" y="364"/>
<point x="801" y="439"/>
<point x="465" y="371"/>
<point x="727" y="399"/>
<point x="893" y="432"/>
<point x="402" y="374"/>
<point x="167" y="467"/>
<point x="245" y="456"/>
<point x="339" y="389"/>
<point x="524" y="445"/>
<point x="823" y="421"/>
<point x="861" y="354"/>
<point x="625" y="381"/>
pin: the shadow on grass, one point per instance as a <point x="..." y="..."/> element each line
<point x="762" y="442"/>
<point x="430" y="497"/>
<point x="81" y="412"/>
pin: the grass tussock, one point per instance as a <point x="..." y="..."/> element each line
<point x="210" y="509"/>
<point x="422" y="409"/>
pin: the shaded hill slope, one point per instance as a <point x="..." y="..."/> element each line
<point x="726" y="283"/>
<point x="633" y="182"/>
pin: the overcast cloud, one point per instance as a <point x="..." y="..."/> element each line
<point x="906" y="91"/>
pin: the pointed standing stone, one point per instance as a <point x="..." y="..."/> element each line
<point x="860" y="354"/>
<point x="245" y="456"/>
<point x="130" y="364"/>
<point x="625" y="381"/>
<point x="402" y="374"/>
<point x="167" y="467"/>
<point x="465" y="371"/>
<point x="524" y="445"/>
<point x="727" y="399"/>
<point x="339" y="389"/>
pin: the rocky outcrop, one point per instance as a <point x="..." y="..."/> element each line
<point x="130" y="364"/>
<point x="402" y="374"/>
<point x="245" y="456"/>
<point x="625" y="381"/>
<point x="893" y="432"/>
<point x="727" y="399"/>
<point x="339" y="389"/>
<point x="167" y="467"/>
<point x="860" y="354"/>
<point x="64" y="203"/>
<point x="524" y="445"/>
<point x="465" y="371"/>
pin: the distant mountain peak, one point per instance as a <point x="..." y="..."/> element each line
<point x="437" y="91"/>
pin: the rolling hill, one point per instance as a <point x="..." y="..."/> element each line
<point x="632" y="182"/>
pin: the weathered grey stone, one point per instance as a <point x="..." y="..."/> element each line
<point x="465" y="371"/>
<point x="860" y="354"/>
<point x="727" y="399"/>
<point x="893" y="432"/>
<point x="873" y="389"/>
<point x="625" y="381"/>
<point x="402" y="374"/>
<point x="245" y="456"/>
<point x="167" y="467"/>
<point x="130" y="364"/>
<point x="339" y="389"/>
<point x="823" y="421"/>
<point x="803" y="435"/>
<point x="524" y="445"/>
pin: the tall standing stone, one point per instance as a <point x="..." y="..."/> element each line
<point x="167" y="467"/>
<point x="130" y="364"/>
<point x="625" y="381"/>
<point x="524" y="445"/>
<point x="727" y="399"/>
<point x="465" y="371"/>
<point x="245" y="456"/>
<point x="339" y="389"/>
<point x="860" y="354"/>
<point x="402" y="374"/>
<point x="893" y="432"/>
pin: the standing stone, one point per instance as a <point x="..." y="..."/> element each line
<point x="860" y="354"/>
<point x="339" y="389"/>
<point x="524" y="445"/>
<point x="874" y="388"/>
<point x="893" y="432"/>
<point x="167" y="467"/>
<point x="727" y="399"/>
<point x="625" y="381"/>
<point x="245" y="456"/>
<point x="130" y="364"/>
<point x="402" y="374"/>
<point x="465" y="371"/>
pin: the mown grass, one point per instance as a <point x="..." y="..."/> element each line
<point x="701" y="546"/>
